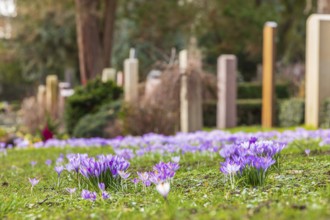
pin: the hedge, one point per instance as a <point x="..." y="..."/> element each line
<point x="290" y="112"/>
<point x="248" y="112"/>
<point x="254" y="91"/>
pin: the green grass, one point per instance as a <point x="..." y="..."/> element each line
<point x="300" y="191"/>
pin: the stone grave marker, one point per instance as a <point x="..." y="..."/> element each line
<point x="120" y="79"/>
<point x="317" y="67"/>
<point x="153" y="81"/>
<point x="226" y="107"/>
<point x="108" y="74"/>
<point x="64" y="92"/>
<point x="131" y="74"/>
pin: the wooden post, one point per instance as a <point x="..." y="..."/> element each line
<point x="268" y="69"/>
<point x="52" y="94"/>
<point x="317" y="67"/>
<point x="131" y="74"/>
<point x="226" y="107"/>
<point x="191" y="118"/>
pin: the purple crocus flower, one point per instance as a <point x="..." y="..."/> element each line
<point x="87" y="195"/>
<point x="34" y="181"/>
<point x="176" y="159"/>
<point x="144" y="177"/>
<point x="229" y="168"/>
<point x="101" y="186"/>
<point x="307" y="152"/>
<point x="135" y="181"/>
<point x="33" y="163"/>
<point x="59" y="170"/>
<point x="123" y="174"/>
<point x="71" y="190"/>
<point x="48" y="162"/>
<point x="105" y="195"/>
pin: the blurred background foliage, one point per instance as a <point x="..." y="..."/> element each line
<point x="44" y="36"/>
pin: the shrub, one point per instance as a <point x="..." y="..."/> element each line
<point x="325" y="114"/>
<point x="88" y="100"/>
<point x="210" y="114"/>
<point x="249" y="111"/>
<point x="254" y="91"/>
<point x="291" y="112"/>
<point x="94" y="125"/>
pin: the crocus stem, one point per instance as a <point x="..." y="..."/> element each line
<point x="165" y="197"/>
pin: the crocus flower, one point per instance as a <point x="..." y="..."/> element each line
<point x="87" y="195"/>
<point x="163" y="189"/>
<point x="33" y="163"/>
<point x="105" y="195"/>
<point x="33" y="181"/>
<point x="123" y="174"/>
<point x="307" y="152"/>
<point x="101" y="186"/>
<point x="176" y="159"/>
<point x="135" y="181"/>
<point x="59" y="170"/>
<point x="229" y="168"/>
<point x="48" y="162"/>
<point x="71" y="190"/>
<point x="143" y="176"/>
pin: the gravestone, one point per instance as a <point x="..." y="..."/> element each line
<point x="317" y="67"/>
<point x="52" y="94"/>
<point x="191" y="118"/>
<point x="131" y="74"/>
<point x="226" y="107"/>
<point x="108" y="74"/>
<point x="153" y="81"/>
<point x="64" y="92"/>
<point x="41" y="97"/>
<point x="120" y="79"/>
<point x="268" y="69"/>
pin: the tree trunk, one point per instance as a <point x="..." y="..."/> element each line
<point x="94" y="42"/>
<point x="109" y="23"/>
<point x="323" y="6"/>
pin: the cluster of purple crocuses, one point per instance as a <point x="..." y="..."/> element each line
<point x="104" y="169"/>
<point x="162" y="172"/>
<point x="250" y="160"/>
<point x="108" y="171"/>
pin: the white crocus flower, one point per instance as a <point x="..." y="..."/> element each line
<point x="163" y="188"/>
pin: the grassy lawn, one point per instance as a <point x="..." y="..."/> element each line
<point x="199" y="191"/>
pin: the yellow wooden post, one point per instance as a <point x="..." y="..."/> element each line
<point x="52" y="95"/>
<point x="268" y="68"/>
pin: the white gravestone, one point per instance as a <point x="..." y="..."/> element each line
<point x="317" y="67"/>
